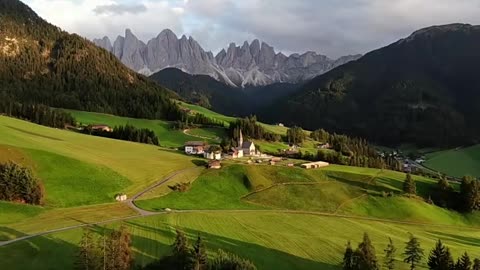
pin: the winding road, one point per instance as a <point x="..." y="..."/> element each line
<point x="144" y="213"/>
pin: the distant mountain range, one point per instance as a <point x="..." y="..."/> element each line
<point x="423" y="89"/>
<point x="254" y="64"/>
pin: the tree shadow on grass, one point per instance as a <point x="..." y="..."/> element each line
<point x="263" y="257"/>
<point x="465" y="240"/>
<point x="40" y="252"/>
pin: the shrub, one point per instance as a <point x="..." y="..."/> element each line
<point x="17" y="184"/>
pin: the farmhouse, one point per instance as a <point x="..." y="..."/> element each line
<point x="314" y="165"/>
<point x="236" y="152"/>
<point x="121" y="197"/>
<point x="214" y="152"/>
<point x="105" y="128"/>
<point x="195" y="147"/>
<point x="214" y="165"/>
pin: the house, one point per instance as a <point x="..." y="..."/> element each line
<point x="248" y="147"/>
<point x="215" y="165"/>
<point x="280" y="125"/>
<point x="104" y="128"/>
<point x="324" y="146"/>
<point x="121" y="197"/>
<point x="314" y="165"/>
<point x="236" y="152"/>
<point x="272" y="162"/>
<point x="213" y="153"/>
<point x="195" y="147"/>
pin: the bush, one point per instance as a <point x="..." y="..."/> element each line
<point x="17" y="184"/>
<point x="229" y="261"/>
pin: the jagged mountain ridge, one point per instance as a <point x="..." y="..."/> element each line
<point x="254" y="64"/>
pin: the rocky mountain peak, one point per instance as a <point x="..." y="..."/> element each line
<point x="254" y="63"/>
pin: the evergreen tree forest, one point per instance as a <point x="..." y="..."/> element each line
<point x="184" y="257"/>
<point x="251" y="129"/>
<point x="44" y="65"/>
<point x="126" y="133"/>
<point x="439" y="258"/>
<point x="18" y="184"/>
<point x="38" y="114"/>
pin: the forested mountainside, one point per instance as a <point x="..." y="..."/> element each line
<point x="205" y="91"/>
<point x="423" y="89"/>
<point x="40" y="63"/>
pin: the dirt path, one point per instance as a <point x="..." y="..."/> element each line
<point x="185" y="131"/>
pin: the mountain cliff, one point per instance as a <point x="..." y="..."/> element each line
<point x="423" y="89"/>
<point x="40" y="63"/>
<point x="254" y="64"/>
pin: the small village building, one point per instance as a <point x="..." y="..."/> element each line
<point x="276" y="159"/>
<point x="236" y="152"/>
<point x="248" y="147"/>
<point x="121" y="197"/>
<point x="272" y="162"/>
<point x="324" y="146"/>
<point x="214" y="152"/>
<point x="290" y="165"/>
<point x="315" y="165"/>
<point x="215" y="165"/>
<point x="195" y="147"/>
<point x="104" y="128"/>
<point x="212" y="155"/>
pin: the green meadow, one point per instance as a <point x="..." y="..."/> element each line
<point x="456" y="162"/>
<point x="271" y="240"/>
<point x="246" y="209"/>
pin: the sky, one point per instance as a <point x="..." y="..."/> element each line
<point x="330" y="27"/>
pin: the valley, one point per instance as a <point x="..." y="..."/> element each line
<point x="249" y="158"/>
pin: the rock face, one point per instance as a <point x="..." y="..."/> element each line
<point x="254" y="64"/>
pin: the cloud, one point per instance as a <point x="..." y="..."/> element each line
<point x="119" y="9"/>
<point x="329" y="27"/>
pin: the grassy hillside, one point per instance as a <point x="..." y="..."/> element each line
<point x="456" y="162"/>
<point x="338" y="190"/>
<point x="271" y="240"/>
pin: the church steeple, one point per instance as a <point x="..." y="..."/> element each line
<point x="240" y="139"/>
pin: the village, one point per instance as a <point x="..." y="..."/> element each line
<point x="245" y="150"/>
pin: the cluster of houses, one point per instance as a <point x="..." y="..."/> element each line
<point x="214" y="153"/>
<point x="244" y="149"/>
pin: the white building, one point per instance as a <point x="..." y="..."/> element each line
<point x="195" y="148"/>
<point x="247" y="147"/>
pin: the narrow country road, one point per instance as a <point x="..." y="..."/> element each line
<point x="143" y="213"/>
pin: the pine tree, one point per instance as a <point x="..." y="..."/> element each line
<point x="409" y="185"/>
<point x="348" y="258"/>
<point x="413" y="252"/>
<point x="390" y="251"/>
<point x="118" y="253"/>
<point x="440" y="257"/>
<point x="180" y="249"/>
<point x="198" y="255"/>
<point x="366" y="258"/>
<point x="464" y="263"/>
<point x="476" y="264"/>
<point x="87" y="258"/>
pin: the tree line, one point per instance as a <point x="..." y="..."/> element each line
<point x="196" y="120"/>
<point x="126" y="133"/>
<point x="444" y="195"/>
<point x="440" y="258"/>
<point x="18" y="184"/>
<point x="36" y="113"/>
<point x="113" y="251"/>
<point x="346" y="150"/>
<point x="251" y="129"/>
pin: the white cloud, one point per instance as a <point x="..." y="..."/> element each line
<point x="331" y="27"/>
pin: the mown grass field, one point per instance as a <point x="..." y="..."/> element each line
<point x="167" y="136"/>
<point x="271" y="240"/>
<point x="141" y="164"/>
<point x="456" y="162"/>
<point x="336" y="189"/>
